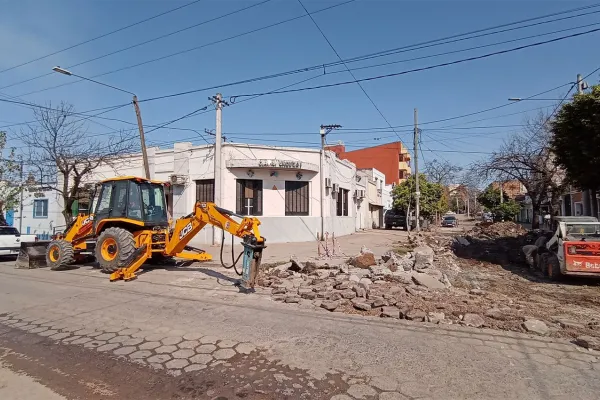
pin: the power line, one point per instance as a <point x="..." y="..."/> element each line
<point x="355" y="59"/>
<point x="103" y="35"/>
<point x="422" y="45"/>
<point x="192" y="49"/>
<point x="372" y="78"/>
<point x="348" y="69"/>
<point x="142" y="43"/>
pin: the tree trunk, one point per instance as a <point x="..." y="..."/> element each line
<point x="535" y="223"/>
<point x="2" y="218"/>
<point x="594" y="202"/>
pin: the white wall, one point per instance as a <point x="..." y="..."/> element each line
<point x="197" y="162"/>
<point x="39" y="225"/>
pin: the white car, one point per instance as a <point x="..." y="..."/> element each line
<point x="10" y="240"/>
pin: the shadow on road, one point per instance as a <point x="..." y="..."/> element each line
<point x="506" y="251"/>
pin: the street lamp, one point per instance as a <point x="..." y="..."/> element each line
<point x="531" y="99"/>
<point x="135" y="105"/>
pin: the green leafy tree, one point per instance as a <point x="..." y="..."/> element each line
<point x="490" y="197"/>
<point x="10" y="183"/>
<point x="576" y="141"/>
<point x="505" y="210"/>
<point x="431" y="201"/>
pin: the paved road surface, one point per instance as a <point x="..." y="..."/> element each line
<point x="189" y="334"/>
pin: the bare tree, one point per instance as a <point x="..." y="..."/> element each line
<point x="442" y="172"/>
<point x="10" y="182"/>
<point x="526" y="157"/>
<point x="66" y="154"/>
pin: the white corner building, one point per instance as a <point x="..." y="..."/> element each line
<point x="297" y="193"/>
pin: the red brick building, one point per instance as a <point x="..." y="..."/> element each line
<point x="393" y="159"/>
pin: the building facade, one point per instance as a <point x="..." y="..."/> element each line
<point x="391" y="159"/>
<point x="296" y="193"/>
<point x="41" y="213"/>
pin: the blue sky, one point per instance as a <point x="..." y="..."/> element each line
<point x="33" y="28"/>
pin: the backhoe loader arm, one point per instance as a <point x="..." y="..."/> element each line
<point x="208" y="213"/>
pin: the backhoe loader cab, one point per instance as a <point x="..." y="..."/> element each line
<point x="131" y="203"/>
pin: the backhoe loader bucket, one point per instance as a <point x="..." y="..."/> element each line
<point x="32" y="255"/>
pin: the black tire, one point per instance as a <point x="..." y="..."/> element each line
<point x="59" y="254"/>
<point x="552" y="267"/>
<point x="120" y="251"/>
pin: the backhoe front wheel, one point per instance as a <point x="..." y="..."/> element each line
<point x="113" y="249"/>
<point x="59" y="254"/>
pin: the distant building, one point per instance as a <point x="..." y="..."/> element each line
<point x="512" y="188"/>
<point x="392" y="159"/>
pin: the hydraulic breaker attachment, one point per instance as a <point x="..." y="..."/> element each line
<point x="134" y="262"/>
<point x="251" y="262"/>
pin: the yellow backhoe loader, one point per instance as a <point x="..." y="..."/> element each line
<point x="128" y="226"/>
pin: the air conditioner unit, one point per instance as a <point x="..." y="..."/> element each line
<point x="327" y="182"/>
<point x="360" y="194"/>
<point x="178" y="179"/>
<point x="335" y="188"/>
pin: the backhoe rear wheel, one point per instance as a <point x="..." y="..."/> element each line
<point x="113" y="248"/>
<point x="59" y="254"/>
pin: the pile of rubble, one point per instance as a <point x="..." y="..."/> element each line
<point x="496" y="230"/>
<point x="393" y="286"/>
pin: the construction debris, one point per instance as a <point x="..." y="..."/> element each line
<point x="479" y="279"/>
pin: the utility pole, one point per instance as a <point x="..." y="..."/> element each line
<point x="142" y="138"/>
<point x="219" y="103"/>
<point x="323" y="131"/>
<point x="416" y="155"/>
<point x="501" y="192"/>
<point x="21" y="201"/>
<point x="580" y="84"/>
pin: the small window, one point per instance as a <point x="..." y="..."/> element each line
<point x="40" y="209"/>
<point x="205" y="190"/>
<point x="342" y="203"/>
<point x="296" y="198"/>
<point x="248" y="197"/>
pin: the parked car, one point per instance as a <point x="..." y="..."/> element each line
<point x="394" y="218"/>
<point x="449" y="221"/>
<point x="10" y="240"/>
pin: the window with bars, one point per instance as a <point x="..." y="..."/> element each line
<point x="205" y="190"/>
<point x="249" y="197"/>
<point x="296" y="198"/>
<point x="342" y="203"/>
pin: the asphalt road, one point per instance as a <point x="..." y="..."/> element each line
<point x="187" y="333"/>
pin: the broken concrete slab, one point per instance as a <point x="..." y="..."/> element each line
<point x="415" y="315"/>
<point x="423" y="257"/>
<point x="364" y="259"/>
<point x="473" y="320"/>
<point x="330" y="305"/>
<point x="361" y="304"/>
<point x="427" y="281"/>
<point x="390" y="312"/>
<point x="536" y="326"/>
<point x="435" y="317"/>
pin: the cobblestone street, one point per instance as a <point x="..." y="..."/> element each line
<point x="193" y="331"/>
